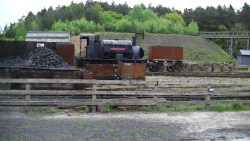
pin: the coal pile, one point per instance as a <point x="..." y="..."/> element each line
<point x="40" y="58"/>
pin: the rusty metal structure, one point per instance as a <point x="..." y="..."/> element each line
<point x="66" y="51"/>
<point x="131" y="70"/>
<point x="102" y="71"/>
<point x="165" y="57"/>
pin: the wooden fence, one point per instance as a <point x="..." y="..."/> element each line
<point x="124" y="92"/>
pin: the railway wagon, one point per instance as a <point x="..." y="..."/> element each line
<point x="162" y="58"/>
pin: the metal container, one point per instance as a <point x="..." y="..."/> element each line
<point x="102" y="71"/>
<point x="87" y="76"/>
<point x="12" y="48"/>
<point x="131" y="70"/>
<point x="165" y="53"/>
<point x="67" y="52"/>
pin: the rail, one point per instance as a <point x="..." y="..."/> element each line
<point x="229" y="34"/>
<point x="123" y="92"/>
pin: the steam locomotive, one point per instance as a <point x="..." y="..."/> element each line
<point x="108" y="51"/>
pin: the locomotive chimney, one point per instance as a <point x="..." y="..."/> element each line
<point x="134" y="40"/>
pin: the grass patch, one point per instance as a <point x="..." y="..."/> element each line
<point x="42" y="110"/>
<point x="244" y="71"/>
<point x="229" y="107"/>
<point x="81" y="109"/>
<point x="195" y="53"/>
<point x="198" y="107"/>
<point x="107" y="108"/>
<point x="162" y="108"/>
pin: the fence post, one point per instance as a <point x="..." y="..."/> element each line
<point x="156" y="88"/>
<point x="27" y="96"/>
<point x="207" y="101"/>
<point x="207" y="97"/>
<point x="94" y="107"/>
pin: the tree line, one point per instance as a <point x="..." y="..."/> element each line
<point x="95" y="16"/>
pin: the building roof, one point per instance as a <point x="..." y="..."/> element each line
<point x="48" y="36"/>
<point x="244" y="52"/>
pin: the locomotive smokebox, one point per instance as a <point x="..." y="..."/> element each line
<point x="138" y="52"/>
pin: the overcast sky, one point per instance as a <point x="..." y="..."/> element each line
<point x="12" y="10"/>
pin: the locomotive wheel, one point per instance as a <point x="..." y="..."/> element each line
<point x="159" y="67"/>
<point x="152" y="68"/>
<point x="177" y="67"/>
<point x="170" y="69"/>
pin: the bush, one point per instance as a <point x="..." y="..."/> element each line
<point x="123" y="25"/>
<point x="192" y="28"/>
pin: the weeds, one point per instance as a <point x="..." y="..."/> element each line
<point x="42" y="110"/>
<point x="229" y="107"/>
<point x="197" y="107"/>
<point x="107" y="108"/>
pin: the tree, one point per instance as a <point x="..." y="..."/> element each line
<point x="28" y="20"/>
<point x="192" y="28"/>
<point x="123" y="25"/>
<point x="20" y="31"/>
<point x="244" y="16"/>
<point x="109" y="20"/>
<point x="200" y="16"/>
<point x="231" y="17"/>
<point x="9" y="31"/>
<point x="175" y="18"/>
<point x="141" y="14"/>
<point x="160" y="10"/>
<point x="188" y="15"/>
<point x="34" y="26"/>
<point x="93" y="13"/>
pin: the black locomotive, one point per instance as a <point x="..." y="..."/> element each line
<point x="108" y="51"/>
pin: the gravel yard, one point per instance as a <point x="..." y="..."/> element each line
<point x="172" y="126"/>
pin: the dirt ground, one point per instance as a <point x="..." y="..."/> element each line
<point x="134" y="126"/>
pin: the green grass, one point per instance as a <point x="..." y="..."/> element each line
<point x="162" y="108"/>
<point x="198" y="107"/>
<point x="107" y="108"/>
<point x="42" y="110"/>
<point x="197" y="54"/>
<point x="244" y="71"/>
<point x="229" y="107"/>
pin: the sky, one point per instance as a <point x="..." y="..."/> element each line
<point x="12" y="10"/>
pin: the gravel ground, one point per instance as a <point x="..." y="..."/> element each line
<point x="171" y="126"/>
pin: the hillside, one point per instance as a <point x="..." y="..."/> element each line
<point x="196" y="49"/>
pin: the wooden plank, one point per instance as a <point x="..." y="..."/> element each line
<point x="132" y="93"/>
<point x="93" y="108"/>
<point x="187" y="83"/>
<point x="72" y="81"/>
<point x="129" y="102"/>
<point x="27" y="88"/>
